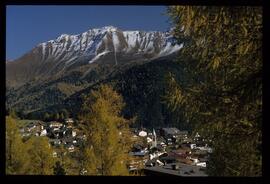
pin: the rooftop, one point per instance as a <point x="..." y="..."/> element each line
<point x="184" y="170"/>
<point x="171" y="130"/>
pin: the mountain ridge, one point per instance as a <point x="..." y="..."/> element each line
<point x="105" y="45"/>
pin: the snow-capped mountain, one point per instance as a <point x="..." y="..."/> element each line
<point x="99" y="45"/>
<point x="96" y="43"/>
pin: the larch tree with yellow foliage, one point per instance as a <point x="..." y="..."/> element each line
<point x="17" y="159"/>
<point x="222" y="94"/>
<point x="106" y="150"/>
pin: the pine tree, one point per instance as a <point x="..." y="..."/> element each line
<point x="65" y="113"/>
<point x="46" y="117"/>
<point x="106" y="151"/>
<point x="56" y="117"/>
<point x="222" y="97"/>
<point x="61" y="117"/>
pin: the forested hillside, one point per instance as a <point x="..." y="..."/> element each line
<point x="141" y="85"/>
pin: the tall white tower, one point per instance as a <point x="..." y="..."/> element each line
<point x="154" y="143"/>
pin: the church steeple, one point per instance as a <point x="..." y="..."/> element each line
<point x="154" y="143"/>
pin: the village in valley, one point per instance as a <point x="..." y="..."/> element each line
<point x="160" y="151"/>
<point x="169" y="151"/>
<point x="59" y="133"/>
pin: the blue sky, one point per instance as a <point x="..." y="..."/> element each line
<point x="27" y="26"/>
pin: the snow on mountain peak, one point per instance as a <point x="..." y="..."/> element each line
<point x="98" y="42"/>
<point x="110" y="28"/>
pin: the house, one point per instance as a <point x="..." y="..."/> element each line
<point x="71" y="148"/>
<point x="55" y="142"/>
<point x="162" y="144"/>
<point x="167" y="159"/>
<point x="35" y="128"/>
<point x="169" y="141"/>
<point x="67" y="140"/>
<point x="138" y="150"/>
<point x="148" y="139"/>
<point x="134" y="137"/>
<point x="55" y="124"/>
<point x="30" y="127"/>
<point x="69" y="121"/>
<point x="197" y="137"/>
<point x="153" y="162"/>
<point x="183" y="134"/>
<point x="195" y="160"/>
<point x="73" y="133"/>
<point x="192" y="146"/>
<point x="142" y="133"/>
<point x="81" y="137"/>
<point x="205" y="148"/>
<point x="170" y="134"/>
<point x="43" y="132"/>
<point x="70" y="132"/>
<point x="173" y="133"/>
<point x="156" y="154"/>
<point x="57" y="133"/>
<point x="201" y="164"/>
<point x="174" y="169"/>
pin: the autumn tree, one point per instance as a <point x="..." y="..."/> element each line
<point x="41" y="156"/>
<point x="106" y="150"/>
<point x="17" y="159"/>
<point x="222" y="94"/>
<point x="58" y="169"/>
<point x="67" y="162"/>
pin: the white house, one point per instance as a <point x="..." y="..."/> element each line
<point x="202" y="164"/>
<point x="43" y="132"/>
<point x="194" y="160"/>
<point x="149" y="139"/>
<point x="160" y="163"/>
<point x="155" y="155"/>
<point x="205" y="148"/>
<point x="71" y="148"/>
<point x="192" y="146"/>
<point x="55" y="125"/>
<point x="73" y="133"/>
<point x="163" y="144"/>
<point x="142" y="133"/>
<point x="69" y="120"/>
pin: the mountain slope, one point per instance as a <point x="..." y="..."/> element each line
<point x="107" y="45"/>
<point x="55" y="75"/>
<point x="141" y="85"/>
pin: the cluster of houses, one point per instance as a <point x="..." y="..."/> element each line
<point x="164" y="151"/>
<point x="58" y="133"/>
<point x="169" y="151"/>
